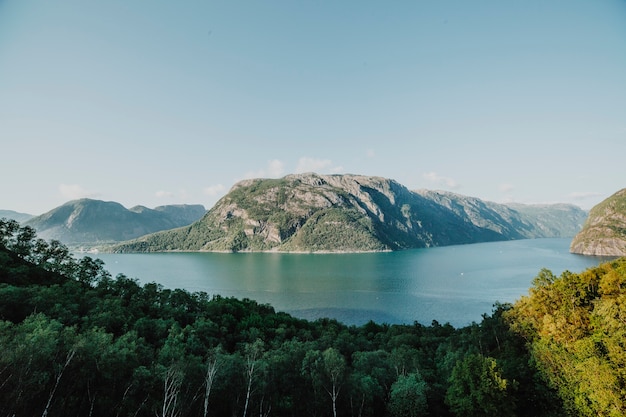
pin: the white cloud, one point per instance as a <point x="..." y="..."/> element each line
<point x="213" y="190"/>
<point x="320" y="166"/>
<point x="74" y="191"/>
<point x="275" y="168"/>
<point x="440" y="180"/>
<point x="505" y="188"/>
<point x="370" y="153"/>
<point x="182" y="194"/>
<point x="164" y="194"/>
<point x="584" y="195"/>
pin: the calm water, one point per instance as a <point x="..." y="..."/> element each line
<point x="454" y="284"/>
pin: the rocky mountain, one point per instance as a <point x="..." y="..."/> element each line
<point x="516" y="221"/>
<point x="88" y="222"/>
<point x="604" y="232"/>
<point x="317" y="213"/>
<point x="14" y="215"/>
<point x="553" y="220"/>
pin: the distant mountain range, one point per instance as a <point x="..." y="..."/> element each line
<point x="318" y="213"/>
<point x="14" y="215"/>
<point x="604" y="232"/>
<point x="88" y="222"/>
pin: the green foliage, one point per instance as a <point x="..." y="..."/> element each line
<point x="336" y="229"/>
<point x="477" y="388"/>
<point x="76" y="341"/>
<point x="575" y="328"/>
<point x="408" y="396"/>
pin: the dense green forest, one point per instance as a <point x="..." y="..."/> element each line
<point x="75" y="341"/>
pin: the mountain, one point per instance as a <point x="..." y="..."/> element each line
<point x="91" y="222"/>
<point x="335" y="213"/>
<point x="604" y="232"/>
<point x="14" y="215"/>
<point x="553" y="220"/>
<point x="516" y="221"/>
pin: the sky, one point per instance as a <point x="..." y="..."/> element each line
<point x="172" y="102"/>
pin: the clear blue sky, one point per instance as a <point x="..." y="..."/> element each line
<point x="166" y="102"/>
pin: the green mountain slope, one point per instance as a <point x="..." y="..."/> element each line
<point x="604" y="232"/>
<point x="310" y="212"/>
<point x="90" y="222"/>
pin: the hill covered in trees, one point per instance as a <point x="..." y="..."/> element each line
<point x="604" y="232"/>
<point x="318" y="213"/>
<point x="88" y="222"/>
<point x="77" y="341"/>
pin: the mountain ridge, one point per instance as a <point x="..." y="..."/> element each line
<point x="342" y="213"/>
<point x="91" y="222"/>
<point x="15" y="215"/>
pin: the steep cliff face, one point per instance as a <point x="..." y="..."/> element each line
<point x="604" y="232"/>
<point x="317" y="213"/>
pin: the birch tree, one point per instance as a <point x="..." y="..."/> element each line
<point x="253" y="352"/>
<point x="326" y="369"/>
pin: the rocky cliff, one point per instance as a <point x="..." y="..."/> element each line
<point x="604" y="232"/>
<point x="317" y="213"/>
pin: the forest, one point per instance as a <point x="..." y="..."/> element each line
<point x="75" y="341"/>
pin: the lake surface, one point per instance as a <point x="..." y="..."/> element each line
<point x="455" y="284"/>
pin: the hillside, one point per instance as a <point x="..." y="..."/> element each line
<point x="90" y="222"/>
<point x="518" y="221"/>
<point x="17" y="216"/>
<point x="77" y="342"/>
<point x="553" y="220"/>
<point x="604" y="232"/>
<point x="317" y="213"/>
<point x="575" y="325"/>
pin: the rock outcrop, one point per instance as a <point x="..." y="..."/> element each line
<point x="604" y="232"/>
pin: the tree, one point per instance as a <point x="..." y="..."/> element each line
<point x="37" y="353"/>
<point x="253" y="352"/>
<point x="326" y="369"/>
<point x="408" y="396"/>
<point x="24" y="241"/>
<point x="172" y="357"/>
<point x="477" y="388"/>
<point x="8" y="228"/>
<point x="213" y="363"/>
<point x="370" y="381"/>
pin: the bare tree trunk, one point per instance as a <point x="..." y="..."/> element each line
<point x="262" y="412"/>
<point x="119" y="408"/>
<point x="211" y="370"/>
<point x="333" y="393"/>
<point x="250" y="373"/>
<point x="171" y="390"/>
<point x="253" y="353"/>
<point x="92" y="399"/>
<point x="70" y="356"/>
<point x="334" y="396"/>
